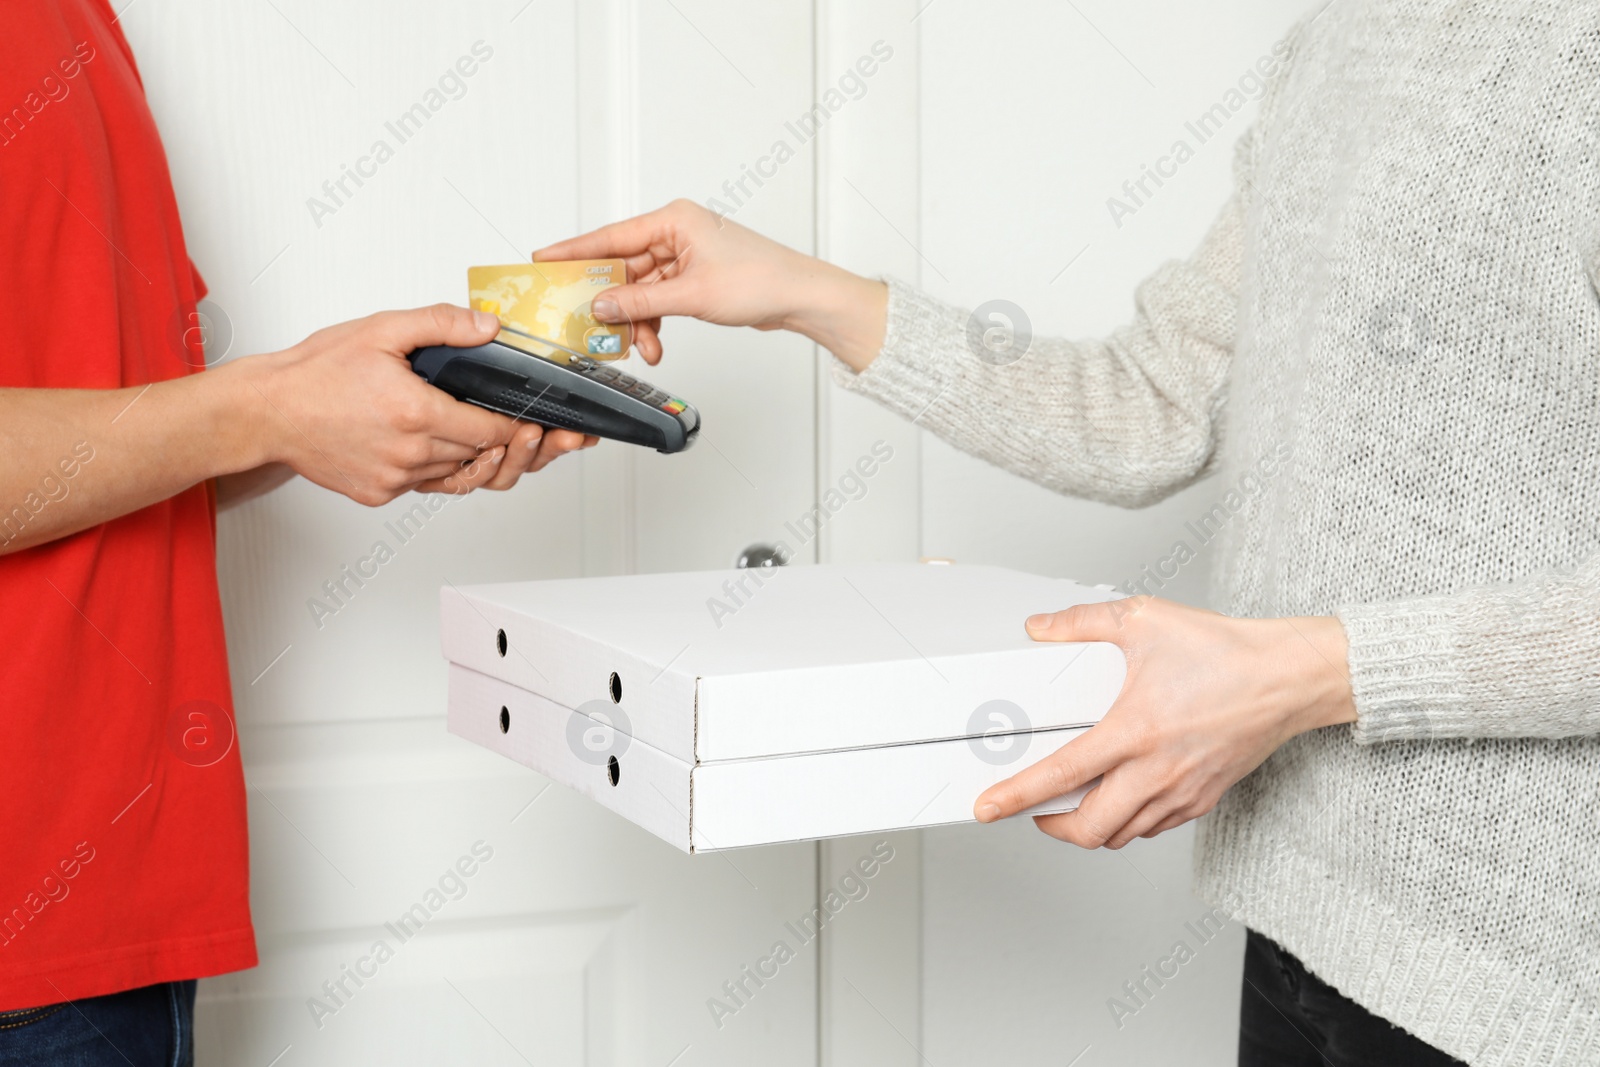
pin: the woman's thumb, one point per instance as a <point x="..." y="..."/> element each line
<point x="1085" y="622"/>
<point x="640" y="302"/>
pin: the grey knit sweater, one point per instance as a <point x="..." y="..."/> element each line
<point x="1388" y="349"/>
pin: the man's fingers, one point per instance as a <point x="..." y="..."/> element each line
<point x="451" y="451"/>
<point x="532" y="449"/>
<point x="429" y="472"/>
<point x="467" y="424"/>
<point x="402" y="332"/>
<point x="521" y="451"/>
<point x="464" y="479"/>
<point x="1078" y="762"/>
<point x="556" y="443"/>
<point x="1084" y="622"/>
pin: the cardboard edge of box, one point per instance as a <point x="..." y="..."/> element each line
<point x="798" y="704"/>
<point x="664" y="705"/>
<point x="729" y="804"/>
<point x="655" y="712"/>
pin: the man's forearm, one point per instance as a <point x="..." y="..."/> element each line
<point x="235" y="489"/>
<point x="74" y="458"/>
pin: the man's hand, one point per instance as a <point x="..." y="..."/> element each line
<point x="1207" y="698"/>
<point x="344" y="409"/>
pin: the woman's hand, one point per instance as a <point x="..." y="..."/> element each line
<point x="1206" y="700"/>
<point x="685" y="260"/>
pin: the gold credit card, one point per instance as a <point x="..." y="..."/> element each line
<point x="552" y="300"/>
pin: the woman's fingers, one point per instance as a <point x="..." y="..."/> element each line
<point x="666" y="262"/>
<point x="1143" y="824"/>
<point x="1171" y="822"/>
<point x="1085" y="622"/>
<point x="646" y="262"/>
<point x="647" y="341"/>
<point x="640" y="302"/>
<point x="1077" y="763"/>
<point x="1115" y="812"/>
<point x="620" y="240"/>
<point x="1104" y="812"/>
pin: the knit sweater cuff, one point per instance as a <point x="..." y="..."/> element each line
<point x="1515" y="660"/>
<point x="915" y="365"/>
<point x="1403" y="670"/>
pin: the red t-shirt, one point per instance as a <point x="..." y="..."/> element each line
<point x="123" y="857"/>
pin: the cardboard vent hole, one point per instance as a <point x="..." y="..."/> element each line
<point x="505" y="719"/>
<point x="613" y="768"/>
<point x="500" y="642"/>
<point x="616" y="688"/>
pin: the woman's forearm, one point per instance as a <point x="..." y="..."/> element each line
<point x="843" y="312"/>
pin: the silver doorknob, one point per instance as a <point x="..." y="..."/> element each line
<point x="759" y="555"/>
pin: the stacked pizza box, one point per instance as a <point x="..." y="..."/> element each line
<point x="724" y="709"/>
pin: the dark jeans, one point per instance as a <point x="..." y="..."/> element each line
<point x="149" y="1027"/>
<point x="1290" y="1018"/>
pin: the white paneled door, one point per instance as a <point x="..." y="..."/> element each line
<point x="419" y="901"/>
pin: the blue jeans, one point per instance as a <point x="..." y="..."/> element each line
<point x="149" y="1027"/>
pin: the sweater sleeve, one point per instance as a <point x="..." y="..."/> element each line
<point x="1127" y="420"/>
<point x="1519" y="660"/>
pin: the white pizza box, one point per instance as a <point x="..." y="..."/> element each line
<point x="706" y="667"/>
<point x="710" y="807"/>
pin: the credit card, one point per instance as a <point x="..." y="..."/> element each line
<point x="552" y="300"/>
